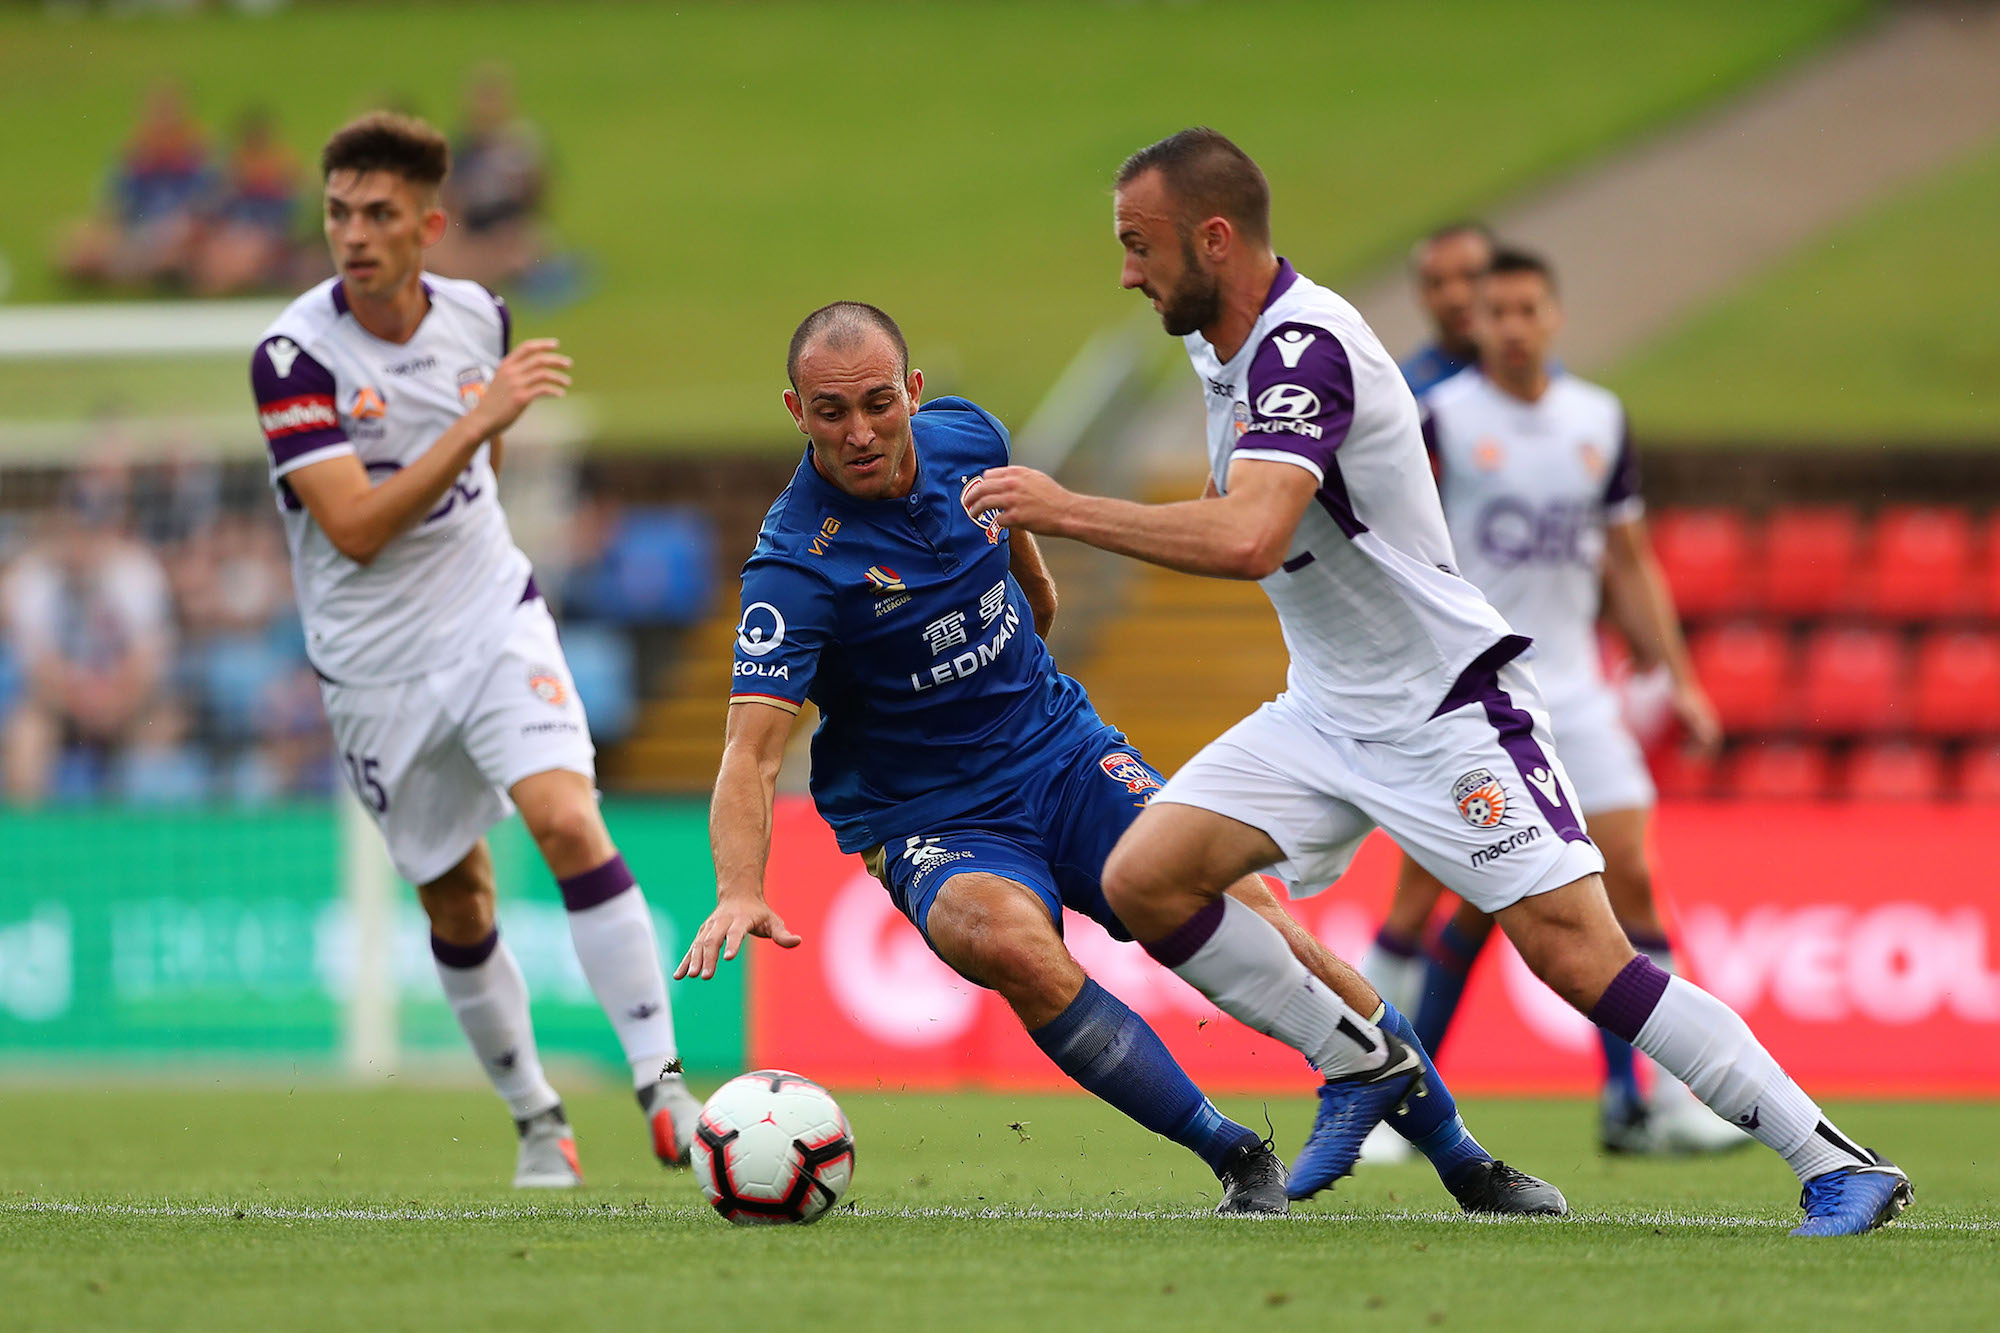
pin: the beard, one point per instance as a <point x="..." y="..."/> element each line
<point x="1197" y="302"/>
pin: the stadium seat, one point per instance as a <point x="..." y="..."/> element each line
<point x="1987" y="573"/>
<point x="1894" y="771"/>
<point x="1681" y="774"/>
<point x="1957" y="684"/>
<point x="1778" y="771"/>
<point x="658" y="569"/>
<point x="1979" y="773"/>
<point x="1920" y="563"/>
<point x="1809" y="560"/>
<point x="1706" y="554"/>
<point x="604" y="666"/>
<point x="1747" y="670"/>
<point x="1852" y="681"/>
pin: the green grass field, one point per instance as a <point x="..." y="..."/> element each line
<point x="1882" y="331"/>
<point x="132" y="1207"/>
<point x="727" y="167"/>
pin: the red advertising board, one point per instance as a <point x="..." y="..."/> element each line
<point x="1863" y="945"/>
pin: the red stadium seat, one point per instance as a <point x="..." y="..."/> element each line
<point x="1681" y="774"/>
<point x="1987" y="575"/>
<point x="1706" y="556"/>
<point x="1957" y="688"/>
<point x="1920" y="563"/>
<point x="1748" y="672"/>
<point x="1809" y="561"/>
<point x="1779" y="771"/>
<point x="1894" y="771"/>
<point x="1853" y="681"/>
<point x="1979" y="774"/>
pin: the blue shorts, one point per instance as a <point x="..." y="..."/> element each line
<point x="1052" y="835"/>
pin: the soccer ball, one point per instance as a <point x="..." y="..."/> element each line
<point x="772" y="1147"/>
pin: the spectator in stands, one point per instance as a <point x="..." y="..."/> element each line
<point x="89" y="622"/>
<point x="247" y="242"/>
<point x="494" y="194"/>
<point x="157" y="193"/>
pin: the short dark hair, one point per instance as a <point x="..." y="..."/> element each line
<point x="845" y="321"/>
<point x="388" y="141"/>
<point x="1462" y="227"/>
<point x="1510" y="259"/>
<point x="1210" y="177"/>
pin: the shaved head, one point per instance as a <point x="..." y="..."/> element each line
<point x="843" y="326"/>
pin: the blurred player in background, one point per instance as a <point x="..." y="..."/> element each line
<point x="975" y="779"/>
<point x="1406" y="703"/>
<point x="1541" y="493"/>
<point x="1447" y="264"/>
<point x="383" y="394"/>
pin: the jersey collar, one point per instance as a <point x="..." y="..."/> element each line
<point x="830" y="494"/>
<point x="1287" y="275"/>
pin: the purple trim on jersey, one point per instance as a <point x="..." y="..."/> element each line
<point x="339" y="295"/>
<point x="1287" y="275"/>
<point x="506" y="323"/>
<point x="1427" y="423"/>
<point x="297" y="410"/>
<point x="1187" y="939"/>
<point x="1484" y="669"/>
<point x="595" y="887"/>
<point x="530" y="593"/>
<point x="1630" y="999"/>
<point x="1623" y="483"/>
<point x="1517" y="737"/>
<point x="1297" y="562"/>
<point x="462" y="956"/>
<point x="1300" y="389"/>
<point x="1332" y="497"/>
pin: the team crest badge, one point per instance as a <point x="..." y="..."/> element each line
<point x="547" y="686"/>
<point x="1126" y="768"/>
<point x="1487" y="455"/>
<point x="368" y="404"/>
<point x="1481" y="800"/>
<point x="471" y="386"/>
<point x="1593" y="459"/>
<point x="1240" y="414"/>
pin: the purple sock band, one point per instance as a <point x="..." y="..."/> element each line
<point x="1186" y="941"/>
<point x="1395" y="944"/>
<point x="1630" y="998"/>
<point x="596" y="886"/>
<point x="465" y="955"/>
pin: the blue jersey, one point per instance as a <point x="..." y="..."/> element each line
<point x="1428" y="367"/>
<point x="900" y="621"/>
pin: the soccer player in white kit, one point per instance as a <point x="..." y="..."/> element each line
<point x="383" y="394"/>
<point x="1406" y="703"/>
<point x="1540" y="488"/>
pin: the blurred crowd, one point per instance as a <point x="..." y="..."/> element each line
<point x="180" y="215"/>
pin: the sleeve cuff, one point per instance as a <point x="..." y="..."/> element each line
<point x="790" y="706"/>
<point x="1281" y="456"/>
<point x="311" y="456"/>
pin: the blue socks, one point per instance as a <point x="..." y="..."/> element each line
<point x="1115" y="1054"/>
<point x="1431" y="1122"/>
<point x="1451" y="956"/>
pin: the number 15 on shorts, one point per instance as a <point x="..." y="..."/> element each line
<point x="361" y="772"/>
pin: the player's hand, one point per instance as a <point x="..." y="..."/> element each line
<point x="1697" y="717"/>
<point x="1020" y="498"/>
<point x="533" y="370"/>
<point x="724" y="932"/>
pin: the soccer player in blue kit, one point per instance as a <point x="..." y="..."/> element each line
<point x="974" y="778"/>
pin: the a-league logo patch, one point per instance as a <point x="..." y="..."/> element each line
<point x="1126" y="768"/>
<point x="1481" y="800"/>
<point x="1240" y="416"/>
<point x="547" y="686"/>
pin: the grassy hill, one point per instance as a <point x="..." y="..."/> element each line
<point x="1884" y="329"/>
<point x="725" y="168"/>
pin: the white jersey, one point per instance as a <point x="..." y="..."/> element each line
<point x="325" y="386"/>
<point x="1529" y="489"/>
<point x="1376" y="618"/>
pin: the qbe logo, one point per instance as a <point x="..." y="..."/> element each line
<point x="761" y="630"/>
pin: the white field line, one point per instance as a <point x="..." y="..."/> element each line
<point x="533" y="1212"/>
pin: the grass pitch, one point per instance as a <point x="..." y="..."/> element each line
<point x="221" y="1208"/>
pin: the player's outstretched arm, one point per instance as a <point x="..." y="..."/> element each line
<point x="360" y="518"/>
<point x="1639" y="604"/>
<point x="1244" y="534"/>
<point x="739" y="836"/>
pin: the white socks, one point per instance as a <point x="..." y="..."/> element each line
<point x="614" y="943"/>
<point x="1702" y="1042"/>
<point x="1240" y="961"/>
<point x="483" y="985"/>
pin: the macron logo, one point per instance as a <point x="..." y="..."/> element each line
<point x="1292" y="344"/>
<point x="1545" y="783"/>
<point x="283" y="351"/>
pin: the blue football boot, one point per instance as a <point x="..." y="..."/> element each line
<point x="1349" y="1107"/>
<point x="1854" y="1199"/>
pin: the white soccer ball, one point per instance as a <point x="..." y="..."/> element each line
<point x="772" y="1147"/>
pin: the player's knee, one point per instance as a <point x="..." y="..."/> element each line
<point x="1000" y="937"/>
<point x="1131" y="876"/>
<point x="568" y="833"/>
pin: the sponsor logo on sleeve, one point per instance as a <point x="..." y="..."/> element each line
<point x="293" y="416"/>
<point x="282" y="352"/>
<point x="761" y="630"/>
<point x="1292" y="344"/>
<point x="1481" y="800"/>
<point x="1288" y="400"/>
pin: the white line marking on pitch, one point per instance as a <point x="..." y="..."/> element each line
<point x="532" y="1212"/>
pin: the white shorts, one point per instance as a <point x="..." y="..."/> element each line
<point x="432" y="758"/>
<point x="1600" y="754"/>
<point x="1475" y="795"/>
